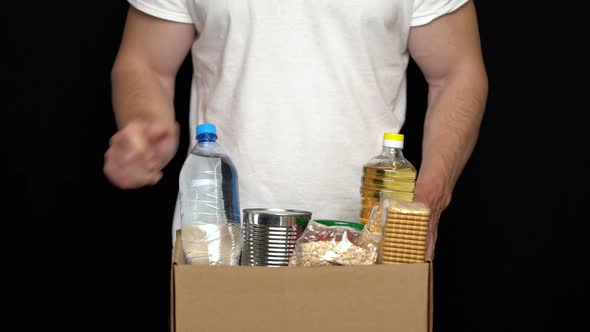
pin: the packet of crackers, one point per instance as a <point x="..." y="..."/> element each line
<point x="403" y="227"/>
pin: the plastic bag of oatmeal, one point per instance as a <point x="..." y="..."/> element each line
<point x="335" y="242"/>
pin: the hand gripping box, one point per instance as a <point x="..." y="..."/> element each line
<point x="376" y="298"/>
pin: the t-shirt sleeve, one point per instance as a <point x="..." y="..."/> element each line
<point x="171" y="10"/>
<point x="425" y="11"/>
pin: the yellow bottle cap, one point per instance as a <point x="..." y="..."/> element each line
<point x="393" y="137"/>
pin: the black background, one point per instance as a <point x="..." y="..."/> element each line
<point x="81" y="255"/>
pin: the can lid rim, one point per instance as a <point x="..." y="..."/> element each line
<point x="277" y="212"/>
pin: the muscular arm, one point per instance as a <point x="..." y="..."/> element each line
<point x="448" y="53"/>
<point x="145" y="69"/>
<point x="143" y="79"/>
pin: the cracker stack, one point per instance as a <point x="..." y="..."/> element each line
<point x="405" y="233"/>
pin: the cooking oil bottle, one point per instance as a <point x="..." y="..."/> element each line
<point x="388" y="174"/>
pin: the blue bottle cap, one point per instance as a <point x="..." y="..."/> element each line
<point x="206" y="128"/>
<point x="206" y="132"/>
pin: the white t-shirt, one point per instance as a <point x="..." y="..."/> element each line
<point x="301" y="91"/>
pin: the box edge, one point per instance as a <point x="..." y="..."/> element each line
<point x="173" y="282"/>
<point x="430" y="296"/>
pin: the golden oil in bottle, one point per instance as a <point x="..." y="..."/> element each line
<point x="388" y="174"/>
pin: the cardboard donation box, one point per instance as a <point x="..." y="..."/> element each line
<point x="375" y="298"/>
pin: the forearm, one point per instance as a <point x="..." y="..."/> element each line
<point x="140" y="93"/>
<point x="449" y="54"/>
<point x="455" y="108"/>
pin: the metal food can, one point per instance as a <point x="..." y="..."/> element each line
<point x="270" y="235"/>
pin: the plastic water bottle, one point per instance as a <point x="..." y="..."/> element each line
<point x="209" y="203"/>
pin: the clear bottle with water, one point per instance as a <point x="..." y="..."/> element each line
<point x="209" y="203"/>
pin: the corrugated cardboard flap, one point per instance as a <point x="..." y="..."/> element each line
<point x="430" y="295"/>
<point x="177" y="258"/>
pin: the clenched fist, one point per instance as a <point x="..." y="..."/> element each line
<point x="138" y="153"/>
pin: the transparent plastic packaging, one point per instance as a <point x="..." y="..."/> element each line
<point x="212" y="244"/>
<point x="209" y="203"/>
<point x="403" y="228"/>
<point x="389" y="174"/>
<point x="329" y="243"/>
